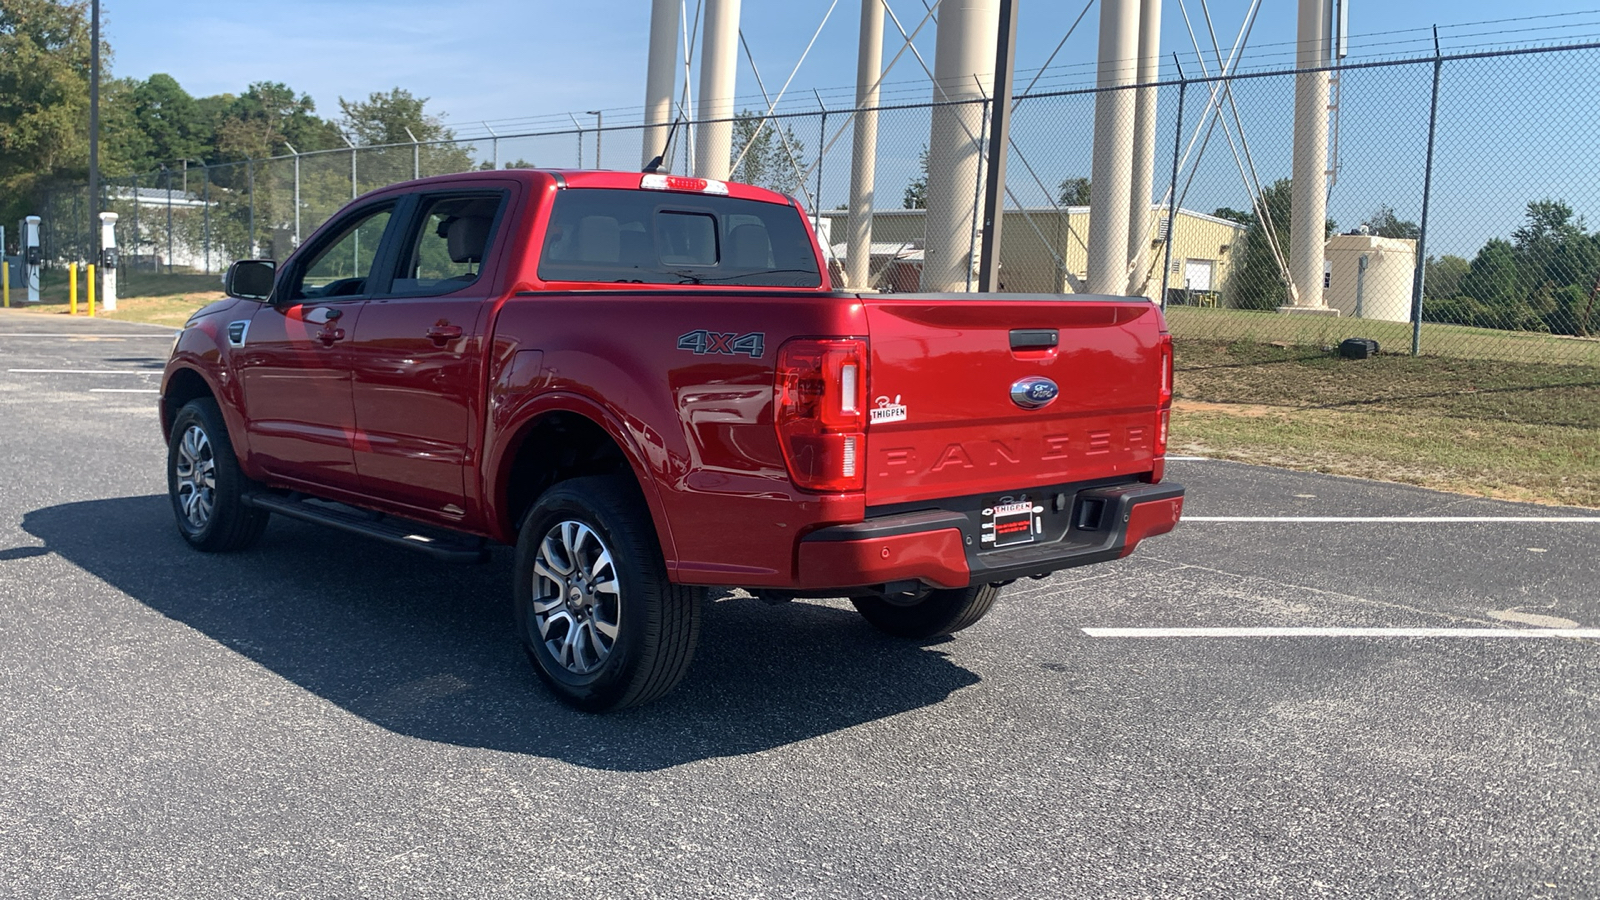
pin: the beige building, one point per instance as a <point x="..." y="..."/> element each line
<point x="1370" y="277"/>
<point x="1043" y="250"/>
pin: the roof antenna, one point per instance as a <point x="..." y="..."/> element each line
<point x="655" y="164"/>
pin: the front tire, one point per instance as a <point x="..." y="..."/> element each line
<point x="205" y="483"/>
<point x="940" y="611"/>
<point x="596" y="614"/>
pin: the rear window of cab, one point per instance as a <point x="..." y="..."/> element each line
<point x="651" y="237"/>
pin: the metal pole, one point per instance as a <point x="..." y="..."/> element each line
<point x="205" y="211"/>
<point x="297" y="199"/>
<point x="168" y="173"/>
<point x="1427" y="193"/>
<point x="822" y="138"/>
<point x="1172" y="190"/>
<point x="864" y="149"/>
<point x="1361" y="286"/>
<point x="94" y="121"/>
<point x="599" y="129"/>
<point x="250" y="171"/>
<point x="138" y="239"/>
<point x="999" y="135"/>
<point x="660" y="75"/>
<point x="416" y="155"/>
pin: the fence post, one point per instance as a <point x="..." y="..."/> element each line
<point x="297" y="198"/>
<point x="1427" y="193"/>
<point x="1172" y="190"/>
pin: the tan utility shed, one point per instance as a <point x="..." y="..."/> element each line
<point x="1033" y="241"/>
<point x="1370" y="277"/>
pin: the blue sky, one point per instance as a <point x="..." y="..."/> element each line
<point x="1506" y="132"/>
<point x="487" y="60"/>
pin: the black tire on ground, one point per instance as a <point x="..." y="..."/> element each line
<point x="941" y="611"/>
<point x="205" y="483"/>
<point x="596" y="614"/>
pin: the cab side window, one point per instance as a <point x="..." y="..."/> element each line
<point x="445" y="254"/>
<point x="343" y="266"/>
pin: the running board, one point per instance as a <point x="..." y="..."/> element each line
<point x="395" y="532"/>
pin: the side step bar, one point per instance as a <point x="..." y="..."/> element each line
<point x="395" y="532"/>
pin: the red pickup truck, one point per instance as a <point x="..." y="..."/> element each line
<point x="646" y="384"/>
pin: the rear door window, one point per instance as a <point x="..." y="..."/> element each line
<point x="650" y="237"/>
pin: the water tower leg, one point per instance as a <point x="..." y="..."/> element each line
<point x="864" y="148"/>
<point x="660" y="78"/>
<point x="1111" y="173"/>
<point x="962" y="71"/>
<point x="1144" y="147"/>
<point x="719" y="62"/>
<point x="1308" y="218"/>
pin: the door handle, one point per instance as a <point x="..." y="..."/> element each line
<point x="443" y="332"/>
<point x="329" y="335"/>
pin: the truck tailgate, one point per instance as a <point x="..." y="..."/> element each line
<point x="943" y="421"/>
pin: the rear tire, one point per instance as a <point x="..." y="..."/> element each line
<point x="205" y="483"/>
<point x="940" y="611"/>
<point x="596" y="614"/>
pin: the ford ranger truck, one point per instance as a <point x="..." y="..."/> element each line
<point x="646" y="384"/>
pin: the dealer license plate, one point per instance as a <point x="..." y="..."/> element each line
<point x="1010" y="521"/>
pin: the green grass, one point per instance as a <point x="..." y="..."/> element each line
<point x="156" y="298"/>
<point x="1324" y="331"/>
<point x="1517" y="430"/>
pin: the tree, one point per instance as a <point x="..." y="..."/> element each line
<point x="766" y="162"/>
<point x="1075" y="191"/>
<point x="44" y="98"/>
<point x="916" y="193"/>
<point x="1384" y="223"/>
<point x="1255" y="278"/>
<point x="1442" y="276"/>
<point x="266" y="120"/>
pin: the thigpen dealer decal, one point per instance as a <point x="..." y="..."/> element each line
<point x="888" y="411"/>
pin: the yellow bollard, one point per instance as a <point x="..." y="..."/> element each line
<point x="5" y="282"/>
<point x="90" y="284"/>
<point x="72" y="288"/>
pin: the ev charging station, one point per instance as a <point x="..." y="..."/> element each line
<point x="32" y="255"/>
<point x="108" y="261"/>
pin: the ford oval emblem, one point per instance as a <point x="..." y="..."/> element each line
<point x="1034" y="392"/>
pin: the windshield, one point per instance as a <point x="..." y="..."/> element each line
<point x="652" y="237"/>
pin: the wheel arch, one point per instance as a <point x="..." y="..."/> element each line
<point x="182" y="386"/>
<point x="565" y="437"/>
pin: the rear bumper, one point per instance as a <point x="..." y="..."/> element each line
<point x="941" y="547"/>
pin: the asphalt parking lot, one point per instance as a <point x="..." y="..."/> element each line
<point x="325" y="717"/>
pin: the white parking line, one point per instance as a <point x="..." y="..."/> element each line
<point x="1188" y="459"/>
<point x="85" y="371"/>
<point x="1589" y="633"/>
<point x="124" y="390"/>
<point x="1420" y="520"/>
<point x="40" y="334"/>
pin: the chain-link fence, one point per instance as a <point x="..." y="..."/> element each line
<point x="1458" y="197"/>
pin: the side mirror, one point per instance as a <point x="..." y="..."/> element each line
<point x="250" y="279"/>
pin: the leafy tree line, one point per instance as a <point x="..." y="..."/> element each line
<point x="154" y="123"/>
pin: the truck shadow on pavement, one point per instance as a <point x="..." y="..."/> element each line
<point x="428" y="650"/>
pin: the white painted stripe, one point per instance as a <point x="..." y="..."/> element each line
<point x="41" y="334"/>
<point x="85" y="371"/>
<point x="1420" y="520"/>
<point x="1590" y="633"/>
<point x="1188" y="459"/>
<point x="124" y="391"/>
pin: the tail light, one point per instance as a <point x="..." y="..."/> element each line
<point x="1164" y="400"/>
<point x="821" y="400"/>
